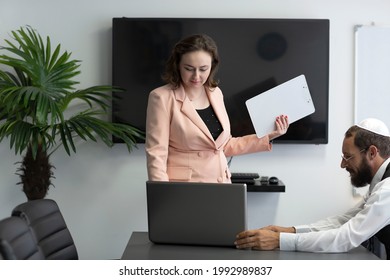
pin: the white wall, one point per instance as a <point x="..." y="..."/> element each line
<point x="101" y="191"/>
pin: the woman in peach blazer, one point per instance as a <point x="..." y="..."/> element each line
<point x="182" y="143"/>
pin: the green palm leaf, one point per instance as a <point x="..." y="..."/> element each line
<point x="36" y="96"/>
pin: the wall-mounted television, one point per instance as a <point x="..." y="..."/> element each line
<point x="255" y="55"/>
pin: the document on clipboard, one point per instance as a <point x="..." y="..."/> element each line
<point x="292" y="98"/>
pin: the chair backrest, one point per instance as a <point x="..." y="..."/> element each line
<point x="17" y="242"/>
<point x="49" y="227"/>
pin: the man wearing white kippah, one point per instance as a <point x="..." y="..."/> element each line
<point x="366" y="156"/>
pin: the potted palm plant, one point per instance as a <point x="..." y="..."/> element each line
<point x="37" y="100"/>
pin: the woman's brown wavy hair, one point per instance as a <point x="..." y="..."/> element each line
<point x="197" y="42"/>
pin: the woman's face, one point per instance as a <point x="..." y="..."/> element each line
<point x="195" y="68"/>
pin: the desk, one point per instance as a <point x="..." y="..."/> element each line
<point x="140" y="248"/>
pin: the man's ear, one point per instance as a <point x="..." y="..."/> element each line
<point x="372" y="151"/>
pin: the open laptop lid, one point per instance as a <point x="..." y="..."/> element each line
<point x="291" y="98"/>
<point x="196" y="213"/>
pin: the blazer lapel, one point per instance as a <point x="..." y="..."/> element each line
<point x="216" y="102"/>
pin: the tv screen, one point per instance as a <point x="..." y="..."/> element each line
<point x="255" y="55"/>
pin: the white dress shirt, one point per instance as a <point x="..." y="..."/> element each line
<point x="342" y="233"/>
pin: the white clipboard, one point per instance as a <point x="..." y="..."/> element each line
<point x="291" y="98"/>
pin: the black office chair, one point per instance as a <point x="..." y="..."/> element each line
<point x="17" y="242"/>
<point x="51" y="231"/>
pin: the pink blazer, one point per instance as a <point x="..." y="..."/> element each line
<point x="179" y="146"/>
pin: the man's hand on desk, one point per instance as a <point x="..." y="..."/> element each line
<point x="280" y="229"/>
<point x="266" y="238"/>
<point x="258" y="239"/>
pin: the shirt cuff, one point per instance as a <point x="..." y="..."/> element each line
<point x="288" y="241"/>
<point x="302" y="229"/>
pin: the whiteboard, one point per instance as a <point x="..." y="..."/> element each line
<point x="292" y="98"/>
<point x="372" y="73"/>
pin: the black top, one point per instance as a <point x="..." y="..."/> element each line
<point x="211" y="121"/>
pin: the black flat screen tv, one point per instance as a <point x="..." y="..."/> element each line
<point x="255" y="55"/>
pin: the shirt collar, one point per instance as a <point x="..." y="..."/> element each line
<point x="379" y="174"/>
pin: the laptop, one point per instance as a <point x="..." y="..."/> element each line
<point x="190" y="213"/>
<point x="291" y="98"/>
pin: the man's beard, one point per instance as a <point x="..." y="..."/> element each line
<point x="363" y="176"/>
